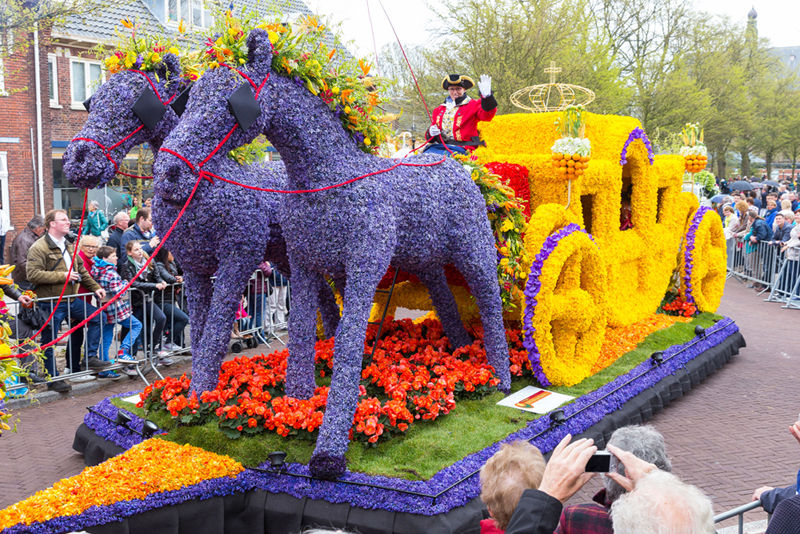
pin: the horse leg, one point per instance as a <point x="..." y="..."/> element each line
<point x="328" y="460"/>
<point x="300" y="379"/>
<point x="198" y="297"/>
<point x="446" y="307"/>
<point x="479" y="270"/>
<point x="227" y="293"/>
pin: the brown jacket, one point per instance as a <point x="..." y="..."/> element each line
<point x="19" y="253"/>
<point x="47" y="270"/>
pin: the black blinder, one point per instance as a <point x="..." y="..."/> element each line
<point x="244" y="106"/>
<point x="87" y="103"/>
<point x="179" y="104"/>
<point x="149" y="109"/>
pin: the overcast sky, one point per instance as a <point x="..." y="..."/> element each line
<point x="778" y="20"/>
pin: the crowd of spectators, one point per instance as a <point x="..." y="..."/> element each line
<point x="149" y="318"/>
<point x="762" y="230"/>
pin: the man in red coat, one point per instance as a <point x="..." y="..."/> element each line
<point x="455" y="123"/>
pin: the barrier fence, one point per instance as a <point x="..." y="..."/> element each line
<point x="165" y="333"/>
<point x="770" y="270"/>
<point x="738" y="513"/>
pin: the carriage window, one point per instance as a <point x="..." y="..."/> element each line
<point x="662" y="191"/>
<point x="625" y="204"/>
<point x="587" y="205"/>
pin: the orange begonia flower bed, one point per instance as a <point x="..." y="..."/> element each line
<point x="624" y="339"/>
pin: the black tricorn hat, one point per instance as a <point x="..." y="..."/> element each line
<point x="459" y="80"/>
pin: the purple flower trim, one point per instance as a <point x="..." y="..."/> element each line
<point x="110" y="431"/>
<point x="101" y="515"/>
<point x="637" y="133"/>
<point x="688" y="254"/>
<point x="532" y="288"/>
<point x="539" y="431"/>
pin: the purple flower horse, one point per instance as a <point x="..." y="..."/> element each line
<point x="417" y="217"/>
<point x="225" y="232"/>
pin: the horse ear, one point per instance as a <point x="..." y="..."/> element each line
<point x="169" y="68"/>
<point x="259" y="51"/>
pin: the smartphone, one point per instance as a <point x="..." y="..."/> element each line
<point x="600" y="462"/>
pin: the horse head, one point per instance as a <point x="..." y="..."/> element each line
<point x="222" y="113"/>
<point x="131" y="108"/>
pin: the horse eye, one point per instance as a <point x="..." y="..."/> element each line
<point x="149" y="109"/>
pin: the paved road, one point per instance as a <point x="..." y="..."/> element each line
<point x="728" y="436"/>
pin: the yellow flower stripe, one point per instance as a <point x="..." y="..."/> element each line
<point x="150" y="467"/>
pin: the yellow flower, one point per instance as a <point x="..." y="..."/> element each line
<point x="507" y="225"/>
<point x="367" y="141"/>
<point x="155" y="57"/>
<point x="213" y="65"/>
<point x="273" y="36"/>
<point x="347" y="110"/>
<point x="241" y="61"/>
<point x="504" y="262"/>
<point x="174" y="50"/>
<point x="127" y="23"/>
<point x="335" y="90"/>
<point x="182" y="26"/>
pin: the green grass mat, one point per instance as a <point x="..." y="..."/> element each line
<point x="470" y="427"/>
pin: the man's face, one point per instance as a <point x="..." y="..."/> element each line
<point x="779" y="220"/>
<point x="39" y="230"/>
<point x="123" y="223"/>
<point x="146" y="224"/>
<point x="456" y="91"/>
<point x="59" y="227"/>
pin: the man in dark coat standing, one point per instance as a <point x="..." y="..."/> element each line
<point x="19" y="250"/>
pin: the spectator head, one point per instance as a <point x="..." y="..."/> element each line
<point x="750" y="201"/>
<point x="105" y="252"/>
<point x="727" y="209"/>
<point x="786" y="204"/>
<point x="514" y="468"/>
<point x="56" y="222"/>
<point x="771" y="204"/>
<point x="662" y="504"/>
<point x="779" y="219"/>
<point x="644" y="442"/>
<point x="134" y="250"/>
<point x="122" y="219"/>
<point x="772" y="196"/>
<point x="148" y="202"/>
<point x="36" y="225"/>
<point x="93" y="205"/>
<point x="752" y="213"/>
<point x="143" y="220"/>
<point x="797" y="216"/>
<point x="89" y="244"/>
<point x="163" y="256"/>
<point x="109" y="254"/>
<point x="741" y="207"/>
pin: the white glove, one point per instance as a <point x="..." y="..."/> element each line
<point x="434" y="131"/>
<point x="485" y="85"/>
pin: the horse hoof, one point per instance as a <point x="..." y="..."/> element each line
<point x="324" y="465"/>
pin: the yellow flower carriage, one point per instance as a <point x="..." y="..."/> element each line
<point x="585" y="271"/>
<point x="595" y="273"/>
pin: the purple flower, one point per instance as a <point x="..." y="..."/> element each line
<point x="688" y="254"/>
<point x="637" y="133"/>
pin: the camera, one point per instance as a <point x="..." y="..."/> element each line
<point x="600" y="462"/>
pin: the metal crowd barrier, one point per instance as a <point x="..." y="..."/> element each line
<point x="764" y="264"/>
<point x="738" y="513"/>
<point x="266" y="301"/>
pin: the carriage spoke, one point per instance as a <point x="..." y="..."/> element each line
<point x="571" y="303"/>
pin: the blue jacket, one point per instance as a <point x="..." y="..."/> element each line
<point x="769" y="216"/>
<point x="96" y="222"/>
<point x="770" y="499"/>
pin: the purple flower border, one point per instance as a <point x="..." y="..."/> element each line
<point x="390" y="497"/>
<point x="688" y="254"/>
<point x="111" y="431"/>
<point x="637" y="133"/>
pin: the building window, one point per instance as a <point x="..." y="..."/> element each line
<point x="2" y="78"/>
<point x="86" y="77"/>
<point x="193" y="12"/>
<point x="4" y="183"/>
<point x="52" y="74"/>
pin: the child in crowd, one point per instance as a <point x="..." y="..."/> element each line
<point x="105" y="272"/>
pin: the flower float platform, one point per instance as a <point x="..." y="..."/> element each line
<point x="157" y="485"/>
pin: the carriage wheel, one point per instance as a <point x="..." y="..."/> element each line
<point x="564" y="315"/>
<point x="704" y="257"/>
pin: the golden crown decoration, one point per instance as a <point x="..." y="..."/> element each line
<point x="552" y="96"/>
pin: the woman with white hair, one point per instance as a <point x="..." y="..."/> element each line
<point x="96" y="221"/>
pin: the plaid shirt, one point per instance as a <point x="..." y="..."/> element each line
<point x="108" y="278"/>
<point x="589" y="518"/>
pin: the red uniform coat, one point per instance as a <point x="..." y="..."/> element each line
<point x="460" y="124"/>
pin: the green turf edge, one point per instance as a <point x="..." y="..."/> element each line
<point x="464" y="431"/>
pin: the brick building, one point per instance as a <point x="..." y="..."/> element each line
<point x="34" y="132"/>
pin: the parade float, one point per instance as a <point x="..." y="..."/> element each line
<point x="413" y="403"/>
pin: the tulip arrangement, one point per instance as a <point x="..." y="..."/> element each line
<point x="694" y="152"/>
<point x="572" y="151"/>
